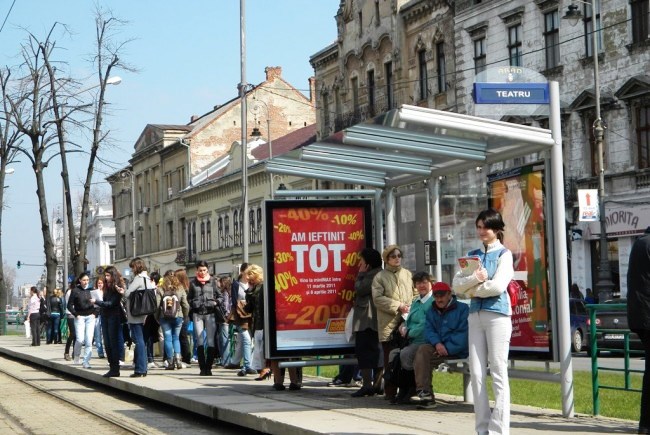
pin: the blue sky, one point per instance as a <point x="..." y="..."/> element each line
<point x="188" y="60"/>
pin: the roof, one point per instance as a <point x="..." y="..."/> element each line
<point x="412" y="144"/>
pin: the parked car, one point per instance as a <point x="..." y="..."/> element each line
<point x="12" y="317"/>
<point x="579" y="318"/>
<point x="614" y="320"/>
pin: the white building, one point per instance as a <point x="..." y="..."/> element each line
<point x="100" y="250"/>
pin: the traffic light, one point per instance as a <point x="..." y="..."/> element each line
<point x="18" y="264"/>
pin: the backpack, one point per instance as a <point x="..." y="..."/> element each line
<point x="42" y="309"/>
<point x="169" y="306"/>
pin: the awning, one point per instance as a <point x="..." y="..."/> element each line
<point x="413" y="144"/>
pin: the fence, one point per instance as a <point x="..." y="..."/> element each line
<point x="595" y="333"/>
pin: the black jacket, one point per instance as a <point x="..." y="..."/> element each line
<point x="79" y="303"/>
<point x="199" y="293"/>
<point x="110" y="306"/>
<point x="55" y="305"/>
<point x="255" y="306"/>
<point x="638" y="285"/>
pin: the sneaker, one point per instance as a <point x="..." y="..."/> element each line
<point x="153" y="365"/>
<point x="122" y="363"/>
<point x="76" y="361"/>
<point x="422" y="397"/>
<point x="194" y="361"/>
<point x="86" y="365"/>
<point x="336" y="383"/>
<point x="165" y="364"/>
<point x="183" y="365"/>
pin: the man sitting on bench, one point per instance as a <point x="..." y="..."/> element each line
<point x="446" y="338"/>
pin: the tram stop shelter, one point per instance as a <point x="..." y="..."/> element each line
<point x="418" y="144"/>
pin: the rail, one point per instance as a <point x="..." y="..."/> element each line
<point x="594" y="333"/>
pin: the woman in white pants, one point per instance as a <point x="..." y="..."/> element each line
<point x="489" y="323"/>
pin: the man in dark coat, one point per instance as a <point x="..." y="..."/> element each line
<point x="638" y="314"/>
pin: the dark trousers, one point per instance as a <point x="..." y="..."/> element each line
<point x="186" y="351"/>
<point x="55" y="331"/>
<point x="35" y="328"/>
<point x="113" y="341"/>
<point x="150" y="332"/>
<point x="644" y="421"/>
<point x="71" y="335"/>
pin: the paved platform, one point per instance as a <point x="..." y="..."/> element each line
<point x="315" y="409"/>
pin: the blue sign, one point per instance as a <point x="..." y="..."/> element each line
<point x="511" y="93"/>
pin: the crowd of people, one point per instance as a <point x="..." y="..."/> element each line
<point x="405" y="325"/>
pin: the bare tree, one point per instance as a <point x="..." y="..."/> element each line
<point x="9" y="139"/>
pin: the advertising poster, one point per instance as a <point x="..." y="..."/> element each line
<point x="519" y="195"/>
<point x="312" y="256"/>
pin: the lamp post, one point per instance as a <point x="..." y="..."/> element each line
<point x="604" y="285"/>
<point x="256" y="134"/>
<point x="115" y="80"/>
<point x="244" y="148"/>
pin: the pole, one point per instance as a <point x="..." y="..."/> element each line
<point x="268" y="132"/>
<point x="64" y="281"/>
<point x="135" y="240"/>
<point x="604" y="284"/>
<point x="560" y="254"/>
<point x="244" y="147"/>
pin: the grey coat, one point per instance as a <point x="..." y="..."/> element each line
<point x="365" y="312"/>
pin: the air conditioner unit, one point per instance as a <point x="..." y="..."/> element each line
<point x="146" y="210"/>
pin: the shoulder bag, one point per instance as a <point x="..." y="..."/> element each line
<point x="142" y="301"/>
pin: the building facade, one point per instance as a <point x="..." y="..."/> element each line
<point x="429" y="53"/>
<point x="100" y="250"/>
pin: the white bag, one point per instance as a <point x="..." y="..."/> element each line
<point x="349" y="333"/>
<point x="28" y="329"/>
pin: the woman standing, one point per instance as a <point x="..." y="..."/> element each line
<point x="55" y="307"/>
<point x="141" y="281"/>
<point x="204" y="294"/>
<point x="69" y="318"/>
<point x="173" y="308"/>
<point x="99" y="287"/>
<point x="364" y="320"/>
<point x="81" y="305"/>
<point x="186" y="349"/>
<point x="241" y="323"/>
<point x="489" y="323"/>
<point x="111" y="318"/>
<point x="392" y="292"/>
<point x="34" y="316"/>
<point x="255" y="305"/>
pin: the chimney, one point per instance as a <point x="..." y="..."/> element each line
<point x="272" y="72"/>
<point x="193" y="118"/>
<point x="312" y="90"/>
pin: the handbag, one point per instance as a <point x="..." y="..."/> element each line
<point x="142" y="302"/>
<point x="241" y="310"/>
<point x="513" y="292"/>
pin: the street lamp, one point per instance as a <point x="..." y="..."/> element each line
<point x="604" y="285"/>
<point x="256" y="134"/>
<point x="115" y="80"/>
<point x="244" y="148"/>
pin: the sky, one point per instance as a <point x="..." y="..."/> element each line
<point x="187" y="56"/>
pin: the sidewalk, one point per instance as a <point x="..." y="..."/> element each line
<point x="316" y="409"/>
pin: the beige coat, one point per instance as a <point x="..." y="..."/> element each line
<point x="389" y="291"/>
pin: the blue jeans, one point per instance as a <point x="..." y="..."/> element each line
<point x="244" y="342"/>
<point x="54" y="336"/>
<point x="113" y="340"/>
<point x="222" y="343"/>
<point x="84" y="327"/>
<point x="98" y="337"/>
<point x="171" y="331"/>
<point x="140" y="353"/>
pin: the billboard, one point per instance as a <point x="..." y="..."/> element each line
<point x="519" y="195"/>
<point x="312" y="260"/>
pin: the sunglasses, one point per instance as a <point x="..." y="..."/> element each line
<point x="394" y="256"/>
<point x="440" y="294"/>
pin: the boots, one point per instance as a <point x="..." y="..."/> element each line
<point x="209" y="361"/>
<point x="406" y="387"/>
<point x="170" y="364"/>
<point x="200" y="355"/>
<point x="178" y="360"/>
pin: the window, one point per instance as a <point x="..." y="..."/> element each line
<point x="388" y="68"/>
<point x="252" y="237"/>
<point x="514" y="45"/>
<point x="226" y="230"/>
<point x="371" y="91"/>
<point x="170" y="234"/>
<point x="589" y="29"/>
<point x="235" y="223"/>
<point x="442" y="67"/>
<point x="643" y="135"/>
<point x="479" y="55"/>
<point x="355" y="94"/>
<point x="326" y="112"/>
<point x="640" y="16"/>
<point x="360" y="24"/>
<point x="552" y="39"/>
<point x="259" y="224"/>
<point x="182" y="229"/>
<point x="208" y="236"/>
<point x="422" y="67"/>
<point x="111" y="254"/>
<point x="202" y="236"/>
<point x="220" y="232"/>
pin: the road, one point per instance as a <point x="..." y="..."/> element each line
<point x="582" y="362"/>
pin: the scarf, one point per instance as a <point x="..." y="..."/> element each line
<point x="203" y="280"/>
